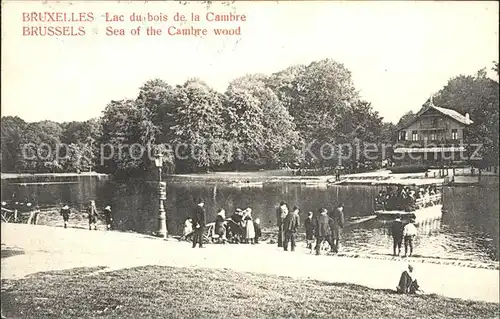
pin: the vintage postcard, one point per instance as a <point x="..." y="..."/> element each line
<point x="250" y="159"/>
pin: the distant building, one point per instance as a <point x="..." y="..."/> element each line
<point x="436" y="136"/>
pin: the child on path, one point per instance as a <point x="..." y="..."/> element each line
<point x="409" y="234"/>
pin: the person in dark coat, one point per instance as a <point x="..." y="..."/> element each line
<point x="291" y="225"/>
<point x="397" y="235"/>
<point x="65" y="211"/>
<point x="338" y="225"/>
<point x="108" y="217"/>
<point x="92" y="214"/>
<point x="323" y="230"/>
<point x="258" y="231"/>
<point x="281" y="213"/>
<point x="198" y="223"/>
<point x="309" y="226"/>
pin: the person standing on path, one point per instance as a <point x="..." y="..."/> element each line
<point x="290" y="227"/>
<point x="258" y="231"/>
<point x="199" y="223"/>
<point x="409" y="234"/>
<point x="249" y="227"/>
<point x="92" y="214"/>
<point x="323" y="230"/>
<point x="309" y="226"/>
<point x="397" y="235"/>
<point x="109" y="217"/>
<point x="338" y="226"/>
<point x="281" y="213"/>
<point x="65" y="211"/>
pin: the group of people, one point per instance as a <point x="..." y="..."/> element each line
<point x="92" y="215"/>
<point x="403" y="233"/>
<point x="403" y="198"/>
<point x="241" y="227"/>
<point x="324" y="227"/>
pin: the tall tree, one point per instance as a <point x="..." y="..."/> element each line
<point x="198" y="130"/>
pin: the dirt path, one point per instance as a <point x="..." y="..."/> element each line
<point x="51" y="248"/>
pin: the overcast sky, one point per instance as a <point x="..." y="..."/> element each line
<point x="398" y="52"/>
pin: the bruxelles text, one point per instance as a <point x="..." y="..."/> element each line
<point x="224" y="150"/>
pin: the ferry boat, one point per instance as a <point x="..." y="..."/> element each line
<point x="426" y="207"/>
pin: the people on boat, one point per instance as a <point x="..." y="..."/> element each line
<point x="220" y="229"/>
<point x="397" y="235"/>
<point x="258" y="231"/>
<point x="409" y="234"/>
<point x="323" y="230"/>
<point x="281" y="212"/>
<point x="92" y="215"/>
<point x="405" y="198"/>
<point x="249" y="227"/>
<point x="337" y="226"/>
<point x="291" y="224"/>
<point x="108" y="217"/>
<point x="309" y="226"/>
<point x="198" y="223"/>
<point x="65" y="212"/>
<point x="187" y="232"/>
<point x="408" y="282"/>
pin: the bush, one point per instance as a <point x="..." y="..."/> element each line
<point x="411" y="168"/>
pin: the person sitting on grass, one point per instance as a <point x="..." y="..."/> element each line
<point x="408" y="282"/>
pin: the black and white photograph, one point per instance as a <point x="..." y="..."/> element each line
<point x="250" y="159"/>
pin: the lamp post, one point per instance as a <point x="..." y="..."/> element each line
<point x="162" y="195"/>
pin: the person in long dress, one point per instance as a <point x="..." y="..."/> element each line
<point x="249" y="227"/>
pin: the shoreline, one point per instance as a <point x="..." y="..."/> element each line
<point x="51" y="218"/>
<point x="261" y="178"/>
<point x="8" y="176"/>
<point x="54" y="248"/>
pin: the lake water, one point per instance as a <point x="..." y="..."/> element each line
<point x="469" y="231"/>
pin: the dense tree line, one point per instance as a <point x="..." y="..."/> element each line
<point x="260" y="121"/>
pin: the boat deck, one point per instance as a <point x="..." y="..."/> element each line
<point x="422" y="214"/>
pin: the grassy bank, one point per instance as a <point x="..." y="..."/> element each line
<point x="165" y="292"/>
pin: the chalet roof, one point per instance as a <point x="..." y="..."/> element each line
<point x="453" y="114"/>
<point x="448" y="112"/>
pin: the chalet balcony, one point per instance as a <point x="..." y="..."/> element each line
<point x="430" y="143"/>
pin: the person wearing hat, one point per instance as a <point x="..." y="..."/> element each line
<point x="323" y="229"/>
<point x="309" y="226"/>
<point x="281" y="212"/>
<point x="92" y="214"/>
<point x="397" y="235"/>
<point x="291" y="225"/>
<point x="108" y="217"/>
<point x="337" y="226"/>
<point x="409" y="234"/>
<point x="198" y="223"/>
<point x="65" y="211"/>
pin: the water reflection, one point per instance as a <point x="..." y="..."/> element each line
<point x="468" y="231"/>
